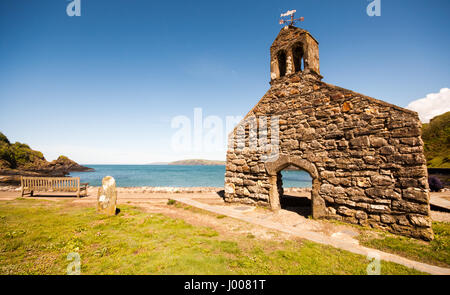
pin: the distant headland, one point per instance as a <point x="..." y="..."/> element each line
<point x="192" y="162"/>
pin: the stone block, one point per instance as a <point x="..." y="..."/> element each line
<point x="381" y="180"/>
<point x="362" y="141"/>
<point x="415" y="194"/>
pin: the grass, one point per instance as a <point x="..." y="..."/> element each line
<point x="36" y="237"/>
<point x="436" y="252"/>
<point x="171" y="202"/>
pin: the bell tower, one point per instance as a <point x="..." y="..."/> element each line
<point x="294" y="52"/>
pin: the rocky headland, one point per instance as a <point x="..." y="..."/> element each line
<point x="18" y="159"/>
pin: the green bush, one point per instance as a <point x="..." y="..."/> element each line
<point x="62" y="159"/>
<point x="7" y="154"/>
<point x="17" y="154"/>
<point x="4" y="139"/>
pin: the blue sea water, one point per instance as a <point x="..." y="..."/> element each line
<point x="174" y="176"/>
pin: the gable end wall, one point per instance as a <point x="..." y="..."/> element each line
<point x="368" y="155"/>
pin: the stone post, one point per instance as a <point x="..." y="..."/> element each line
<point x="107" y="196"/>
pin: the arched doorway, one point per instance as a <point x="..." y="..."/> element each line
<point x="295" y="192"/>
<point x="274" y="168"/>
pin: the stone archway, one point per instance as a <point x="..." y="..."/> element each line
<point x="283" y="161"/>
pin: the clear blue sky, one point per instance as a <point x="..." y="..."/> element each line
<point x="104" y="87"/>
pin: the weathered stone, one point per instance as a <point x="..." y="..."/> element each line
<point x="345" y="211"/>
<point x="410" y="207"/>
<point x="378" y="192"/>
<point x="402" y="220"/>
<point x="229" y="188"/>
<point x="326" y="189"/>
<point x="355" y="193"/>
<point x="362" y="141"/>
<point x="387" y="218"/>
<point x="378" y="208"/>
<point x="107" y="196"/>
<point x="246" y="192"/>
<point x="327" y="174"/>
<point x="363" y="182"/>
<point x="361" y="215"/>
<point x="374" y="217"/>
<point x="378" y="142"/>
<point x="420" y="220"/>
<point x="381" y="180"/>
<point x="254" y="169"/>
<point x="248" y="182"/>
<point x="346" y="106"/>
<point x="416" y="195"/>
<point x="387" y="150"/>
<point x="239" y="162"/>
<point x="412" y="141"/>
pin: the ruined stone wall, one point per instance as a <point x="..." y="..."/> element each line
<point x="365" y="156"/>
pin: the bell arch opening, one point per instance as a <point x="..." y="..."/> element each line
<point x="276" y="194"/>
<point x="281" y="56"/>
<point x="297" y="53"/>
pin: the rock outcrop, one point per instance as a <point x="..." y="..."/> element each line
<point x="20" y="159"/>
<point x="60" y="167"/>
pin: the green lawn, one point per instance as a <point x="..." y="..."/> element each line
<point x="435" y="252"/>
<point x="36" y="237"/>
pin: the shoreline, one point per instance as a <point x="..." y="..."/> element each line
<point x="165" y="189"/>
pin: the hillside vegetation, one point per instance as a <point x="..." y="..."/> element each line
<point x="19" y="159"/>
<point x="17" y="155"/>
<point x="436" y="138"/>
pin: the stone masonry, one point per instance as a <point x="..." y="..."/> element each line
<point x="365" y="156"/>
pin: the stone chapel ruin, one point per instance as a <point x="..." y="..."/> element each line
<point x="365" y="156"/>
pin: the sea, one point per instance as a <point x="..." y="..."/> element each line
<point x="174" y="176"/>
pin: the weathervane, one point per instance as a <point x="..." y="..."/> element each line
<point x="291" y="21"/>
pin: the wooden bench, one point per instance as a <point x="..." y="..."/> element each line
<point x="28" y="185"/>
